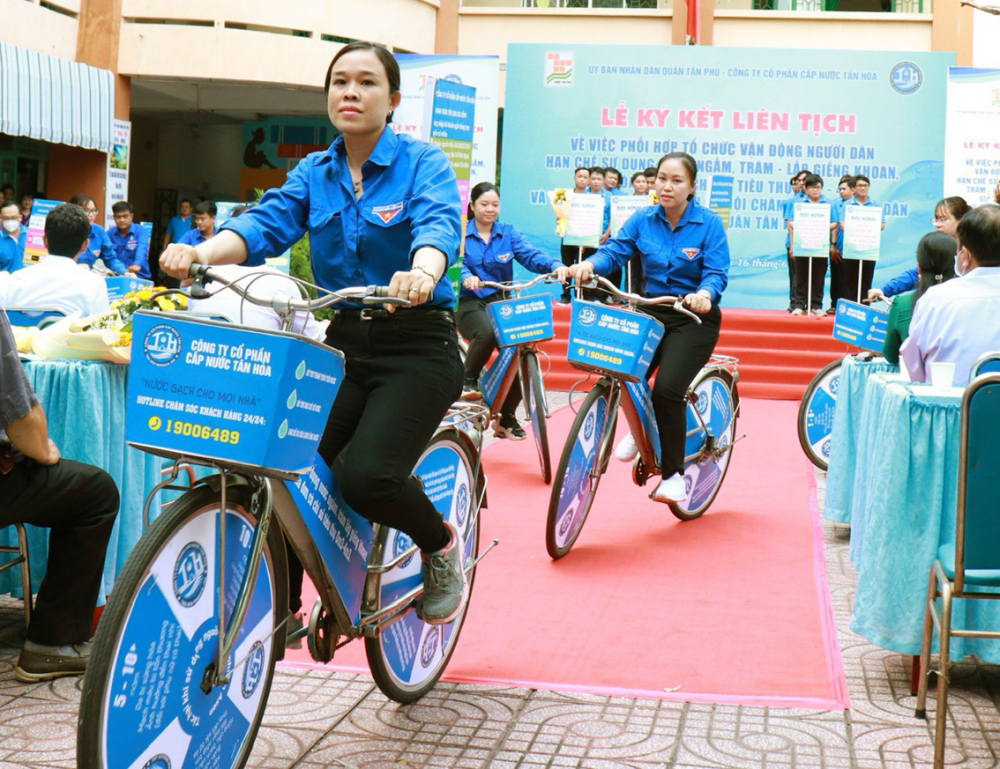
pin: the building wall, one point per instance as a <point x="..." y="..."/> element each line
<point x="29" y="25"/>
<point x="823" y="30"/>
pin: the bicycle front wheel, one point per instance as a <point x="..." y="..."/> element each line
<point x="537" y="408"/>
<point x="579" y="472"/>
<point x="147" y="695"/>
<point x="816" y="414"/>
<point x="708" y="454"/>
<point x="409" y="656"/>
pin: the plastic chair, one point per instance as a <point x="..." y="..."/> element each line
<point x="973" y="559"/>
<point x="22" y="558"/>
<point x="987" y="364"/>
<point x="34" y="316"/>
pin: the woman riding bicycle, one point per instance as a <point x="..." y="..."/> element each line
<point x="491" y="247"/>
<point x="380" y="209"/>
<point x="685" y="253"/>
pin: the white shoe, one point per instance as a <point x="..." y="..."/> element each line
<point x="673" y="489"/>
<point x="626" y="450"/>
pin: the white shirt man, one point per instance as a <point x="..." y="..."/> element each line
<point x="956" y="322"/>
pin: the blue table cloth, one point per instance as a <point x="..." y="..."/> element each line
<point x="903" y="510"/>
<point x="847" y="424"/>
<point x="85" y="404"/>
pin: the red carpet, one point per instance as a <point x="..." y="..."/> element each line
<point x="731" y="608"/>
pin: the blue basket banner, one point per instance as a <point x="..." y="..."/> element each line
<point x="210" y="389"/>
<point x="603" y="338"/>
<point x="525" y="319"/>
<point x="120" y="285"/>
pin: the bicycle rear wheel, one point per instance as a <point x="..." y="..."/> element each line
<point x="816" y="414"/>
<point x="580" y="470"/>
<point x="143" y="698"/>
<point x="409" y="656"/>
<point x="537" y="408"/>
<point x="709" y="454"/>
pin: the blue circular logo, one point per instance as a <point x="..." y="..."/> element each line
<point x="702" y="403"/>
<point x="687" y="485"/>
<point x="461" y="504"/>
<point x="400" y="544"/>
<point x="190" y="574"/>
<point x="835" y="384"/>
<point x="159" y="761"/>
<point x="506" y="311"/>
<point x="824" y="449"/>
<point x="588" y="426"/>
<point x="564" y="524"/>
<point x="906" y="78"/>
<point x="253" y="670"/>
<point x="587" y="316"/>
<point x="162" y="345"/>
<point x="430" y="646"/>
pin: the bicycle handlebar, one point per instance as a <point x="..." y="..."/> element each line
<point x="517" y="286"/>
<point x="676" y="302"/>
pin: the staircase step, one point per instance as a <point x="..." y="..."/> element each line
<point x="813" y="343"/>
<point x="764" y="357"/>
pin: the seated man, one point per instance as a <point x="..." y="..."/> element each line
<point x="58" y="282"/>
<point x="77" y="502"/>
<point x="955" y="322"/>
<point x="12" y="238"/>
<point x="129" y="241"/>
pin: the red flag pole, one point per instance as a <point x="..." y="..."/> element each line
<point x="694" y="21"/>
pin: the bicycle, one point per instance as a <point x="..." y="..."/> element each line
<point x="620" y="344"/>
<point x="819" y="403"/>
<point x="519" y="324"/>
<point x="184" y="655"/>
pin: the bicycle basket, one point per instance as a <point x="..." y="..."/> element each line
<point x="208" y="389"/>
<point x="606" y="339"/>
<point x="525" y="319"/>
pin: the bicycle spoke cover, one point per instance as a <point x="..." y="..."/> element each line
<point x="702" y="474"/>
<point x="576" y="485"/>
<point x="411" y="646"/>
<point x="819" y="414"/>
<point x="160" y="713"/>
<point x="642" y="397"/>
<point x="342" y="536"/>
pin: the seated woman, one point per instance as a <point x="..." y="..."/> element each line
<point x="491" y="248"/>
<point x="935" y="264"/>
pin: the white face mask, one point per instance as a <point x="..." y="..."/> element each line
<point x="11" y="225"/>
<point x="958" y="265"/>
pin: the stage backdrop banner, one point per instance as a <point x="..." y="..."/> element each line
<point x="480" y="72"/>
<point x="751" y="117"/>
<point x="972" y="149"/>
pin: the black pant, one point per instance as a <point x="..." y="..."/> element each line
<point x="474" y="323"/>
<point x="683" y="351"/>
<point x="792" y="294"/>
<point x="803" y="265"/>
<point x="78" y="504"/>
<point x="571" y="255"/>
<point x="849" y="278"/>
<point x="836" y="282"/>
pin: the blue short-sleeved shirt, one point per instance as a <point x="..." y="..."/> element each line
<point x="100" y="247"/>
<point x="495" y="260"/>
<point x="410" y="200"/>
<point x="131" y="248"/>
<point x="692" y="256"/>
<point x="12" y="249"/>
<point x="788" y="213"/>
<point x="192" y="238"/>
<point x="179" y="227"/>
<point x="840" y="216"/>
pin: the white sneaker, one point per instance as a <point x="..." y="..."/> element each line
<point x="626" y="450"/>
<point x="673" y="489"/>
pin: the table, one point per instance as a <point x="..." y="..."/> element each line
<point x="85" y="405"/>
<point x="902" y="510"/>
<point x="854" y="373"/>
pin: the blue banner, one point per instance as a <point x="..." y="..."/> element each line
<point x="753" y="114"/>
<point x="860" y="325"/>
<point x="120" y="285"/>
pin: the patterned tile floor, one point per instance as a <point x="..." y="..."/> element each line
<point x="324" y="719"/>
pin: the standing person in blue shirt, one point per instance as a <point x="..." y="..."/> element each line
<point x="129" y="240"/>
<point x="179" y="225"/>
<point x="99" y="246"/>
<point x="850" y="268"/>
<point x="491" y="248"/>
<point x="204" y="219"/>
<point x="684" y="253"/>
<point x="810" y="299"/>
<point x="380" y="209"/>
<point x="613" y="181"/>
<point x="845" y="191"/>
<point x="788" y="212"/>
<point x="13" y="238"/>
<point x="571" y="254"/>
<point x="597" y="188"/>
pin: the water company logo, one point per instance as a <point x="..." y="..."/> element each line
<point x="588" y="426"/>
<point x="162" y="345"/>
<point x="906" y="78"/>
<point x="835" y="384"/>
<point x="253" y="671"/>
<point x="461" y="505"/>
<point x="159" y="761"/>
<point x="400" y="544"/>
<point x="506" y="311"/>
<point x="587" y="316"/>
<point x="688" y="482"/>
<point x="702" y="403"/>
<point x="430" y="646"/>
<point x="190" y="574"/>
<point x="565" y="522"/>
<point x="387" y="213"/>
<point x="558" y="69"/>
<point x="824" y="449"/>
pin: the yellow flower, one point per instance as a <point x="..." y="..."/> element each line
<point x="165" y="304"/>
<point x="144" y="295"/>
<point x="181" y="301"/>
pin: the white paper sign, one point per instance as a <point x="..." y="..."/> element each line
<point x="586" y="221"/>
<point x="862" y="232"/>
<point x="622" y="207"/>
<point x="812" y="229"/>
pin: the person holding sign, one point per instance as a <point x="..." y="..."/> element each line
<point x="380" y="209"/>
<point x="684" y="253"/>
<point x="570" y="254"/>
<point x="99" y="245"/>
<point x="810" y="227"/>
<point x="858" y="267"/>
<point x="491" y="248"/>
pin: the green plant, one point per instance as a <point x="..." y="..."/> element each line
<point x="299" y="266"/>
